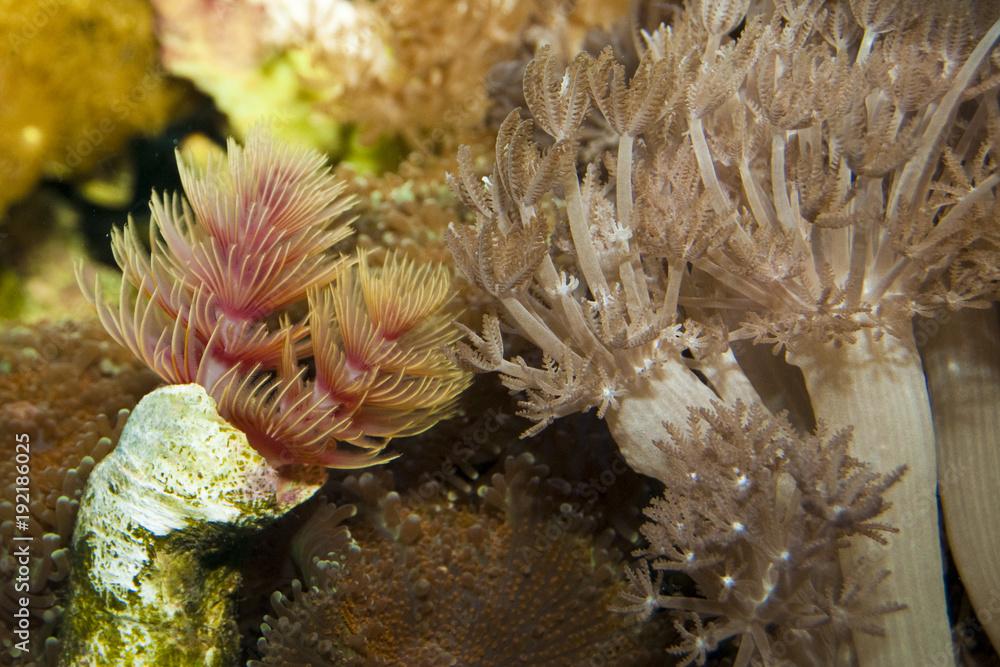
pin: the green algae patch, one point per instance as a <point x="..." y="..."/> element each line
<point x="130" y="632"/>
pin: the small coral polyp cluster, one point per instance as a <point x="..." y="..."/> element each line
<point x="324" y="70"/>
<point x="425" y="580"/>
<point x="764" y="552"/>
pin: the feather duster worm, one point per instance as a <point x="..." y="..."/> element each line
<point x="239" y="436"/>
<point x="209" y="304"/>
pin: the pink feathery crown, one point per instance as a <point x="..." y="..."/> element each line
<point x="212" y="302"/>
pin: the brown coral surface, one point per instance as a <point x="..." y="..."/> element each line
<point x="423" y="580"/>
<point x="68" y="387"/>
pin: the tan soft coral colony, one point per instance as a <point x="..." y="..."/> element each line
<point x="818" y="173"/>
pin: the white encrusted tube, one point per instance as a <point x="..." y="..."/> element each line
<point x="151" y="582"/>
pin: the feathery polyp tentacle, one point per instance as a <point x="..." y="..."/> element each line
<point x="209" y="302"/>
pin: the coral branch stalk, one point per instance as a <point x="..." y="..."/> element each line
<point x="586" y="254"/>
<point x="703" y="155"/>
<point x="877" y="385"/>
<point x="623" y="180"/>
<point x="728" y="378"/>
<point x="963" y="374"/>
<point x="152" y="583"/>
<point x="533" y="329"/>
<point x="637" y="424"/>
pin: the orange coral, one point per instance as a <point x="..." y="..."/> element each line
<point x="428" y="582"/>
